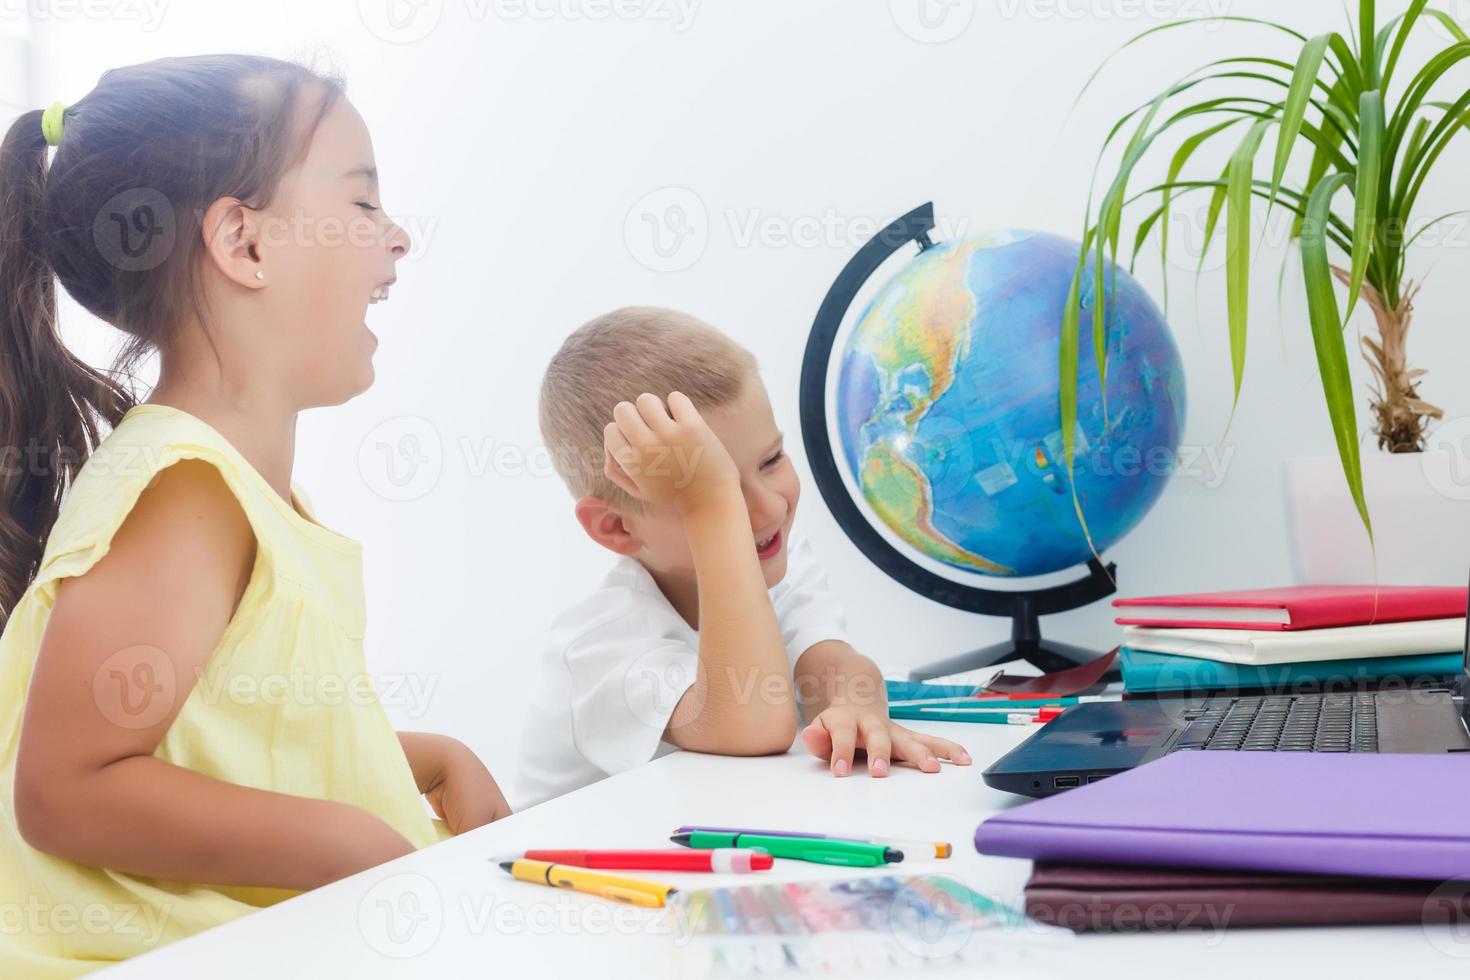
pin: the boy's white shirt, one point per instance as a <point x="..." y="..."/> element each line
<point x="617" y="663"/>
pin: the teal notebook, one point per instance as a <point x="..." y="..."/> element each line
<point x="1152" y="673"/>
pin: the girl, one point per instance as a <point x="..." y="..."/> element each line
<point x="185" y="731"/>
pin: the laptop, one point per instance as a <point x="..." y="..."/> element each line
<point x="1092" y="741"/>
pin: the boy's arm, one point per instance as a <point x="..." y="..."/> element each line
<point x="741" y="701"/>
<point x="123" y="647"/>
<point x="842" y="692"/>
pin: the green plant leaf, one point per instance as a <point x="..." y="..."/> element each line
<point x="1327" y="338"/>
<point x="1365" y="190"/>
<point x="1366" y="40"/>
<point x="1170" y="26"/>
<point x="1237" y="247"/>
<point x="1294" y="109"/>
<point x="1176" y="164"/>
<point x="1406" y="24"/>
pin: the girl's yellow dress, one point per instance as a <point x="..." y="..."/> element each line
<point x="284" y="704"/>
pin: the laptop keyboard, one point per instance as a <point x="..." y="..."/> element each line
<point x="1302" y="723"/>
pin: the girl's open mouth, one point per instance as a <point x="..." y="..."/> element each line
<point x="769" y="548"/>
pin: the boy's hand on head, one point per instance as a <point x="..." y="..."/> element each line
<point x="666" y="454"/>
<point x="837" y="733"/>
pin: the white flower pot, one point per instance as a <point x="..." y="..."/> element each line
<point x="1420" y="507"/>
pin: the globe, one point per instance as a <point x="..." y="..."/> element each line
<point x="948" y="415"/>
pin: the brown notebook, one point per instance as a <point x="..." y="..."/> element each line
<point x="1101" y="898"/>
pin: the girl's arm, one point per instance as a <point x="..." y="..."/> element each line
<point x="455" y="781"/>
<point x="123" y="648"/>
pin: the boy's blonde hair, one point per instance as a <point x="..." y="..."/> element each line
<point x="617" y="357"/>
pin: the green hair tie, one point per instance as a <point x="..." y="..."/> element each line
<point x="51" y="123"/>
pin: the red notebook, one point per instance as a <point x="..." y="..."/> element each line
<point x="1301" y="607"/>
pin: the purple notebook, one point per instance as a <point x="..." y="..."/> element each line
<point x="1379" y="816"/>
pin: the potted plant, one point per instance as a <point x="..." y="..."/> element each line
<point x="1370" y="130"/>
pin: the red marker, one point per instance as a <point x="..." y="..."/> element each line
<point x="726" y="860"/>
<point x="1017" y="696"/>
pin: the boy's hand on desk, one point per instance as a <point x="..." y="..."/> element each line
<point x="666" y="454"/>
<point x="838" y="732"/>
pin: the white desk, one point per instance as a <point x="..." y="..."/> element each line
<point x="473" y="920"/>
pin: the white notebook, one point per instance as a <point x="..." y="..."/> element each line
<point x="1299" y="646"/>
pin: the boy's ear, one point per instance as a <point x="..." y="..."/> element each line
<point x="606" y="526"/>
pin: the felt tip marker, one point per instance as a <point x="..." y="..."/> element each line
<point x="997" y="704"/>
<point x="722" y="860"/>
<point x="983" y="716"/>
<point x="911" y="848"/>
<point x="818" y="850"/>
<point x="633" y="891"/>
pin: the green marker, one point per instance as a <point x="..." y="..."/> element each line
<point x="818" y="850"/>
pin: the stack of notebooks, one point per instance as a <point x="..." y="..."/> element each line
<point x="1214" y="840"/>
<point x="1277" y="639"/>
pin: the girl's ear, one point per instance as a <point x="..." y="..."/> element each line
<point x="232" y="235"/>
<point x="606" y="526"/>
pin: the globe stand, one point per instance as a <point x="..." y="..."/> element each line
<point x="1023" y="607"/>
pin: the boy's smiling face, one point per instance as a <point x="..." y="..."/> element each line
<point x="768" y="480"/>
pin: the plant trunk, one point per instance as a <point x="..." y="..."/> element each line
<point x="1399" y="414"/>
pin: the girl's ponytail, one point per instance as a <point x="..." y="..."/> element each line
<point x="50" y="401"/>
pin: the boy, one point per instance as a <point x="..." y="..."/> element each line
<point x="712" y="631"/>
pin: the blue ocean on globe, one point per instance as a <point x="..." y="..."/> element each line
<point x="947" y="406"/>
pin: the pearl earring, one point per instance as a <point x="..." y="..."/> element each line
<point x="259" y="274"/>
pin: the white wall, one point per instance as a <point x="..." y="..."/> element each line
<point x="519" y="146"/>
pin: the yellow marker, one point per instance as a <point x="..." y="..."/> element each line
<point x="648" y="894"/>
